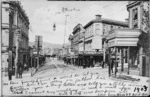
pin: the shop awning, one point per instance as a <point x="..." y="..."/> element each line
<point x="123" y="37"/>
<point x="92" y="53"/>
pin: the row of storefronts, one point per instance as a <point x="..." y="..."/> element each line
<point x="108" y="41"/>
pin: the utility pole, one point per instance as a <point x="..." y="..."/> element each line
<point x="65" y="28"/>
<point x="122" y="59"/>
<point x="10" y="45"/>
<point x="38" y="52"/>
<point x="17" y="54"/>
<point x="109" y="61"/>
<point x="115" y="61"/>
<point x="128" y="60"/>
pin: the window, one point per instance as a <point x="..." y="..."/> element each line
<point x="135" y="18"/>
<point x="92" y="30"/>
<point x="86" y="32"/>
<point x="104" y="29"/>
<point x="97" y="29"/>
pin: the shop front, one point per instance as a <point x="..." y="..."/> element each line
<point x="123" y="50"/>
<point x="90" y="58"/>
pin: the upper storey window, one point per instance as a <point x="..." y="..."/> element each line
<point x="135" y="18"/>
<point x="104" y="27"/>
<point x="97" y="29"/>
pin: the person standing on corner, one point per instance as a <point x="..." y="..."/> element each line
<point x="102" y="62"/>
<point x="112" y="65"/>
<point x="20" y="70"/>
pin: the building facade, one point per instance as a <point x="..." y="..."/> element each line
<point x="88" y="45"/>
<point x="75" y="44"/>
<point x="95" y="32"/>
<point x="15" y="26"/>
<point x="128" y="46"/>
<point x="139" y="19"/>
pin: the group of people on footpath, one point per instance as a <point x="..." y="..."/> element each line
<point x="97" y="64"/>
<point x="21" y="68"/>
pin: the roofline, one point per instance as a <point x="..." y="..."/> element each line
<point x="18" y="5"/>
<point x="132" y="4"/>
<point x="77" y="27"/>
<point x="107" y="21"/>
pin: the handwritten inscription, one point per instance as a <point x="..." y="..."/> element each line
<point x="87" y="83"/>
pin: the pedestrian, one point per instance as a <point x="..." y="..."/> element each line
<point x="105" y="64"/>
<point x="102" y="62"/>
<point x="10" y="73"/>
<point x="112" y="65"/>
<point x="84" y="64"/>
<point x="20" y="70"/>
<point x="25" y="66"/>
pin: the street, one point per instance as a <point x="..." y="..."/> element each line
<point x="59" y="49"/>
<point x="53" y="68"/>
<point x="56" y="78"/>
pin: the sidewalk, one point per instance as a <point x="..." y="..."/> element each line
<point x="25" y="75"/>
<point x="119" y="76"/>
<point x="132" y="76"/>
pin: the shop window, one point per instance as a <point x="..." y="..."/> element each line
<point x="135" y="18"/>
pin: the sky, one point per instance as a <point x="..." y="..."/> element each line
<point x="44" y="14"/>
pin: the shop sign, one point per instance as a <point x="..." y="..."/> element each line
<point x="93" y="52"/>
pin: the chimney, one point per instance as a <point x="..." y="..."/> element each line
<point x="98" y="17"/>
<point x="127" y="20"/>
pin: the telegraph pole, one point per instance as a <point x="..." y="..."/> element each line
<point x="65" y="28"/>
<point x="38" y="53"/>
<point x="10" y="46"/>
<point x="84" y="50"/>
<point x="17" y="54"/>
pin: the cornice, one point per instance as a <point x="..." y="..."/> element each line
<point x="133" y="4"/>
